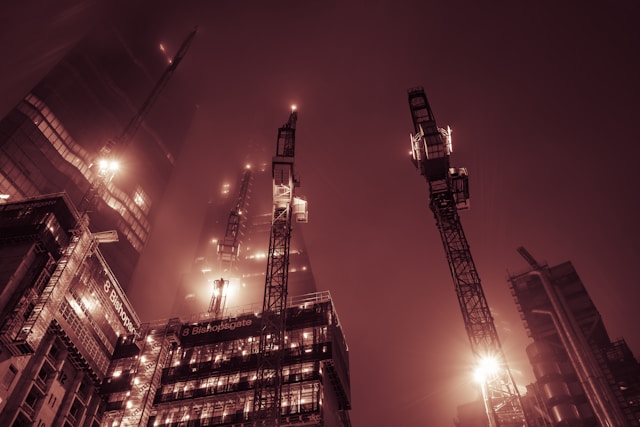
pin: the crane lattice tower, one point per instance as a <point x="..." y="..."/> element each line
<point x="268" y="384"/>
<point x="449" y="193"/>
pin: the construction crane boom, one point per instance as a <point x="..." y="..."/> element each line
<point x="114" y="147"/>
<point x="120" y="143"/>
<point x="268" y="384"/>
<point x="229" y="246"/>
<point x="448" y="193"/>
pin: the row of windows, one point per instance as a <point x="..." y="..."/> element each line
<point x="65" y="145"/>
<point x="59" y="141"/>
<point x="135" y="233"/>
<point x="98" y="357"/>
<point x="217" y="352"/>
<point x="15" y="179"/>
<point x="33" y="401"/>
<point x="296" y="398"/>
<point x="93" y="276"/>
<point x="232" y="382"/>
<point x="133" y="211"/>
<point x="89" y="313"/>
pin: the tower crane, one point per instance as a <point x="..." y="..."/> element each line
<point x="268" y="384"/>
<point x="109" y="154"/>
<point x="229" y="246"/>
<point x="448" y="193"/>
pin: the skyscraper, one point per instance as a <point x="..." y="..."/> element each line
<point x="246" y="274"/>
<point x="202" y="372"/>
<point x="50" y="142"/>
<point x="62" y="314"/>
<point x="583" y="378"/>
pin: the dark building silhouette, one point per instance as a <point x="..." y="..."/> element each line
<point x="583" y="378"/>
<point x="51" y="141"/>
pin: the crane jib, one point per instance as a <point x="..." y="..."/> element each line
<point x="448" y="193"/>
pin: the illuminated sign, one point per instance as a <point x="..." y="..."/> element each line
<point x="116" y="301"/>
<point x="196" y="329"/>
<point x="218" y="330"/>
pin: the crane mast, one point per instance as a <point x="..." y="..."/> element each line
<point x="118" y="144"/>
<point x="229" y="246"/>
<point x="449" y="192"/>
<point x="110" y="152"/>
<point x="268" y="384"/>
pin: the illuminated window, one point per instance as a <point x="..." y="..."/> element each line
<point x="142" y="200"/>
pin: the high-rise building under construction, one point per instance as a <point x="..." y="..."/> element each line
<point x="101" y="98"/>
<point x="202" y="372"/>
<point x="583" y="378"/>
<point x="246" y="274"/>
<point x="75" y="353"/>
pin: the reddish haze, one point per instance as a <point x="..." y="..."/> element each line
<point x="543" y="103"/>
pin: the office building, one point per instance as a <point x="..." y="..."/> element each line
<point x="62" y="313"/>
<point x="201" y="372"/>
<point x="583" y="378"/>
<point x="99" y="94"/>
<point x="74" y="352"/>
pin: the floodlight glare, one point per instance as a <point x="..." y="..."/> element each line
<point x="487" y="367"/>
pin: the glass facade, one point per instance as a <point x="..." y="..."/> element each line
<point x="51" y="141"/>
<point x="208" y="374"/>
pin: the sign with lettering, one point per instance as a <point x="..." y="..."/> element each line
<point x="219" y="330"/>
<point x="119" y="307"/>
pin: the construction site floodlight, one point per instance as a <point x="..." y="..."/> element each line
<point x="107" y="169"/>
<point x="487" y="367"/>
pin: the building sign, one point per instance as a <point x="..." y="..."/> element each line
<point x="119" y="307"/>
<point x="219" y="330"/>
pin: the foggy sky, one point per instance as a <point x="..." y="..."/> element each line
<point x="542" y="100"/>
